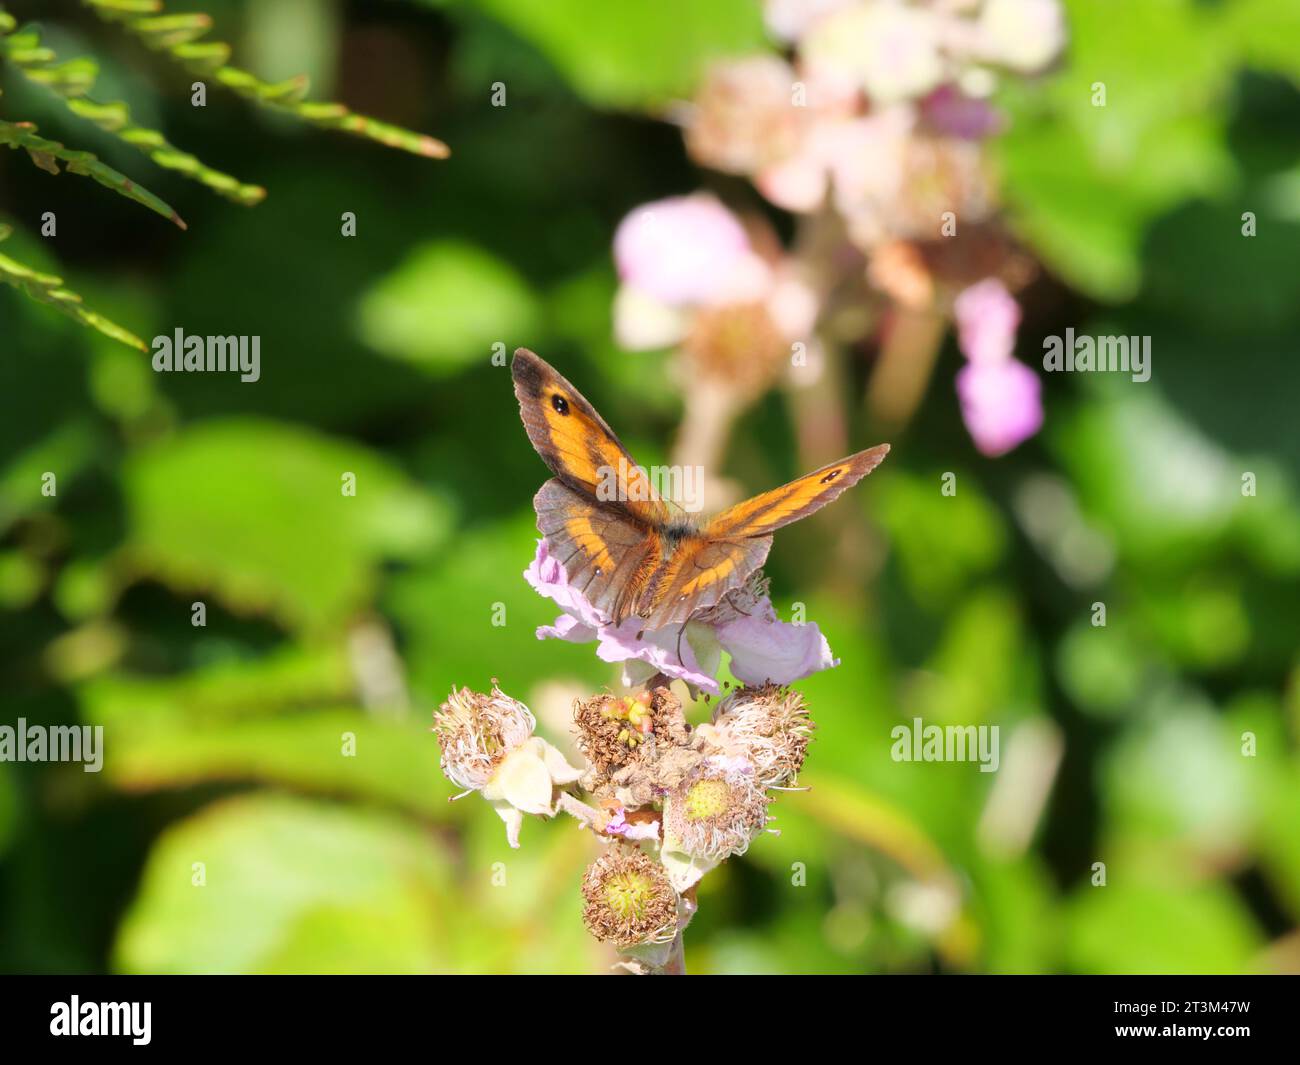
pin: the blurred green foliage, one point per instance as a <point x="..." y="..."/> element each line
<point x="331" y="616"/>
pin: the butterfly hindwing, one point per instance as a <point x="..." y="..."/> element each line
<point x="577" y="444"/>
<point x="606" y="556"/>
<point x="697" y="574"/>
<point x="765" y="513"/>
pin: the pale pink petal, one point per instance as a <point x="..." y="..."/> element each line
<point x="1001" y="404"/>
<point x="795" y="184"/>
<point x="681" y="250"/>
<point x="987" y="319"/>
<point x="643" y="323"/>
<point x="1024" y="35"/>
<point x="765" y="649"/>
<point x="762" y="648"/>
<point x="790" y="19"/>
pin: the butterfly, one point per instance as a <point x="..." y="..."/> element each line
<point x="628" y="551"/>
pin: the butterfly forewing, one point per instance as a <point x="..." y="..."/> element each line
<point x="765" y="513"/>
<point x="577" y="444"/>
<point x="606" y="556"/>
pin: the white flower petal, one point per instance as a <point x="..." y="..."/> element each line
<point x="524" y="781"/>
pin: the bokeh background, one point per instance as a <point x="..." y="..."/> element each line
<point x="327" y="615"/>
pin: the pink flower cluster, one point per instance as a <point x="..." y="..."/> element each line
<point x="685" y="255"/>
<point x="1000" y="397"/>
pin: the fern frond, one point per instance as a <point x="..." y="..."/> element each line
<point x="49" y="289"/>
<point x="180" y="38"/>
<point x="47" y="155"/>
<point x="74" y="80"/>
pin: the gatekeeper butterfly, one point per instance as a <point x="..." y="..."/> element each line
<point x="636" y="555"/>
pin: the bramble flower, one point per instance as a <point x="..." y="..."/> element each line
<point x="1001" y="401"/>
<point x="629" y="900"/>
<point x="488" y="746"/>
<point x="742" y="118"/>
<point x="1024" y="35"/>
<point x="687" y="250"/>
<point x="987" y="319"/>
<point x="614" y="731"/>
<point x="892" y="51"/>
<point x="791" y="19"/>
<point x="708" y="818"/>
<point x="1001" y="404"/>
<point x="745" y="625"/>
<point x="767" y="727"/>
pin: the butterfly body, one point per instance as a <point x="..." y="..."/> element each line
<point x="628" y="551"/>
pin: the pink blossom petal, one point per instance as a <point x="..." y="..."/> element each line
<point x="950" y="111"/>
<point x="682" y="250"/>
<point x="764" y="649"/>
<point x="547" y="576"/>
<point x="987" y="318"/>
<point x="795" y="184"/>
<point x="1000" y="403"/>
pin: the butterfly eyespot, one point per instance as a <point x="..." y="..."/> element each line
<point x="831" y="476"/>
<point x="560" y="404"/>
<point x="597" y="571"/>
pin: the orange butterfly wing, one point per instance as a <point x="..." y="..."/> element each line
<point x="606" y="556"/>
<point x="577" y="444"/>
<point x="696" y="576"/>
<point x="764" y="514"/>
<point x="615" y="537"/>
<point x="706" y="566"/>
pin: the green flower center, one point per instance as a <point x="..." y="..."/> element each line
<point x="706" y="799"/>
<point x="628" y="894"/>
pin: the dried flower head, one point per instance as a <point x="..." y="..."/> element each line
<point x="742" y="119"/>
<point x="716" y="813"/>
<point x="768" y="727"/>
<point x="614" y="731"/>
<point x="738" y="343"/>
<point x="488" y="746"/>
<point x="629" y="899"/>
<point x="476" y="732"/>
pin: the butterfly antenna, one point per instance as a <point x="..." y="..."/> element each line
<point x="681" y="632"/>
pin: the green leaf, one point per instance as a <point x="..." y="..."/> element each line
<point x="254" y="511"/>
<point x="1170" y="925"/>
<point x="290" y="885"/>
<point x="1084" y="179"/>
<point x="446" y="306"/>
<point x="178" y="37"/>
<point x="636" y="53"/>
<point x="50" y="290"/>
<point x="47" y="155"/>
